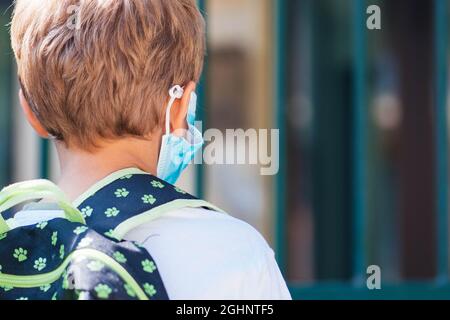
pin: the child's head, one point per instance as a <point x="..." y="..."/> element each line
<point x="102" y="69"/>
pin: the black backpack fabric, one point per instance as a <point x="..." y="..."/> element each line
<point x="83" y="256"/>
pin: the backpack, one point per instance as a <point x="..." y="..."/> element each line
<point x="82" y="254"/>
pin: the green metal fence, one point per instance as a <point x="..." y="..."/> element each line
<point x="280" y="104"/>
<point x="441" y="41"/>
<point x="356" y="288"/>
<point x="5" y="103"/>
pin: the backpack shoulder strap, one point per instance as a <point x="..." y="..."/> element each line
<point x="130" y="200"/>
<point x="63" y="260"/>
<point x="36" y="261"/>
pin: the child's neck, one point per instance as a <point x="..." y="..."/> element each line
<point x="80" y="170"/>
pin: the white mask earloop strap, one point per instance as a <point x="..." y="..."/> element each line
<point x="175" y="93"/>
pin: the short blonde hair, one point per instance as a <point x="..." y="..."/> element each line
<point x="106" y="74"/>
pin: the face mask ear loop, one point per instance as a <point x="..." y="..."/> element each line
<point x="175" y="93"/>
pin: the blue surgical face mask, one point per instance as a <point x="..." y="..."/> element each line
<point x="177" y="152"/>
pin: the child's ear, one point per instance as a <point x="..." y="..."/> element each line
<point x="180" y="109"/>
<point x="31" y="117"/>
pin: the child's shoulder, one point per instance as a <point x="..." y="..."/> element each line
<point x="204" y="254"/>
<point x="205" y="226"/>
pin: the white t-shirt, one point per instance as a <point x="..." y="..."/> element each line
<point x="203" y="255"/>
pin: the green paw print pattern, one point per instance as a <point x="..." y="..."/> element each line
<point x="80" y="230"/>
<point x="112" y="212"/>
<point x="6" y="288"/>
<point x="54" y="238"/>
<point x="61" y="252"/>
<point x="95" y="266"/>
<point x="122" y="193"/>
<point x="180" y="190"/>
<point x="87" y="212"/>
<point x="130" y="290"/>
<point x="119" y="257"/>
<point x="129" y="176"/>
<point x="20" y="254"/>
<point x="157" y="184"/>
<point x="65" y="283"/>
<point x="149" y="199"/>
<point x="149" y="266"/>
<point x="85" y="242"/>
<point x="42" y="225"/>
<point x="149" y="289"/>
<point x="139" y="245"/>
<point x="45" y="288"/>
<point x="103" y="291"/>
<point x="40" y="264"/>
<point x="110" y="234"/>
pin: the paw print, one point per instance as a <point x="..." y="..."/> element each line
<point x="149" y="289"/>
<point x="86" y="242"/>
<point x="95" y="266"/>
<point x="103" y="291"/>
<point x="122" y="193"/>
<point x="149" y="266"/>
<point x="139" y="245"/>
<point x="149" y="199"/>
<point x="112" y="212"/>
<point x="54" y="238"/>
<point x="119" y="257"/>
<point x="130" y="290"/>
<point x="20" y="254"/>
<point x="3" y="236"/>
<point x="110" y="234"/>
<point x="80" y="230"/>
<point x="6" y="288"/>
<point x="40" y="264"/>
<point x="42" y="225"/>
<point x="45" y="288"/>
<point x="157" y="184"/>
<point x="61" y="252"/>
<point x="22" y="298"/>
<point x="180" y="190"/>
<point x="55" y="296"/>
<point x="65" y="283"/>
<point x="87" y="212"/>
<point x="128" y="176"/>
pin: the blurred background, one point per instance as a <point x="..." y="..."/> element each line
<point x="364" y="124"/>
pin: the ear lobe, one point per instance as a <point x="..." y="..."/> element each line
<point x="31" y="117"/>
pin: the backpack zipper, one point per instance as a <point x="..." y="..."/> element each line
<point x="48" y="278"/>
